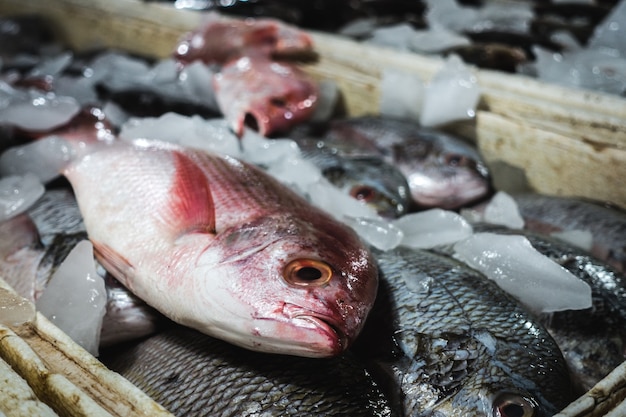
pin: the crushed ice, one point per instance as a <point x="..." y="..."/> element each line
<point x="74" y="291"/>
<point x="501" y="210"/>
<point x="42" y="158"/>
<point x="431" y="228"/>
<point x="452" y="94"/>
<point x="600" y="65"/>
<point x="34" y="110"/>
<point x="515" y="17"/>
<point x="401" y="94"/>
<point x="18" y="193"/>
<point x="539" y="283"/>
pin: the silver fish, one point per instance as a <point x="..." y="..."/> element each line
<point x="442" y="170"/>
<point x="607" y="225"/>
<point x="190" y="373"/>
<point x="446" y="341"/>
<point x="370" y="180"/>
<point x="33" y="246"/>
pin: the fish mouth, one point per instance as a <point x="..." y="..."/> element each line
<point x="327" y="335"/>
<point x="446" y="194"/>
<point x="332" y="330"/>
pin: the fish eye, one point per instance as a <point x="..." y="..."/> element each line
<point x="307" y="272"/>
<point x="455" y="160"/>
<point x="363" y="193"/>
<point x="514" y="405"/>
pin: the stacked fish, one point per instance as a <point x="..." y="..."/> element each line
<point x="213" y="251"/>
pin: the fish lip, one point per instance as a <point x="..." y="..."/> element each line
<point x="325" y="323"/>
<point x="330" y="328"/>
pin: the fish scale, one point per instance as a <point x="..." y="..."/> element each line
<point x="453" y="343"/>
<point x="193" y="374"/>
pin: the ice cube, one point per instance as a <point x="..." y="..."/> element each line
<point x="449" y="14"/>
<point x="52" y="66"/>
<point x="75" y="298"/>
<point x="378" y="232"/>
<point x="38" y="111"/>
<point x="611" y="32"/>
<point x="510" y="17"/>
<point x="431" y="228"/>
<point x="195" y="82"/>
<point x="295" y="172"/>
<point x="401" y="94"/>
<point x="535" y="280"/>
<point x="260" y="150"/>
<point x="82" y="89"/>
<point x="194" y="132"/>
<point x="18" y="193"/>
<point x="328" y="197"/>
<point x="502" y="209"/>
<point x="451" y="95"/>
<point x="44" y="158"/>
<point x="395" y="36"/>
<point x="585" y="68"/>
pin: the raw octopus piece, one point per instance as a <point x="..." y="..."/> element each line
<point x="220" y="39"/>
<point x="271" y="96"/>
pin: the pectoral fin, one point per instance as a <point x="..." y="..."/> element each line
<point x="116" y="264"/>
<point x="191" y="207"/>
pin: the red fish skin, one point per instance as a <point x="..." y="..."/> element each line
<point x="220" y="39"/>
<point x="277" y="95"/>
<point x="217" y="233"/>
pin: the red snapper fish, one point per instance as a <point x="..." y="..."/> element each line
<point x="251" y="87"/>
<point x="269" y="96"/>
<point x="220" y="39"/>
<point x="218" y="245"/>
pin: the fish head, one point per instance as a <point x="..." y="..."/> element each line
<point x="372" y="182"/>
<point x="500" y="391"/>
<point x="482" y="402"/>
<point x="295" y="289"/>
<point x="443" y="173"/>
<point x="267" y="96"/>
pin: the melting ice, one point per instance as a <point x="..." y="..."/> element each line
<point x="76" y="291"/>
<point x="538" y="282"/>
<point x="18" y="193"/>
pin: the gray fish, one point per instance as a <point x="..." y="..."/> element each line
<point x="192" y="374"/>
<point x="370" y="180"/>
<point x="593" y="340"/>
<point x="607" y="225"/>
<point x="34" y="245"/>
<point x="450" y="342"/>
<point x="442" y="170"/>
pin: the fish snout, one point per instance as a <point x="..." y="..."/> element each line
<point x="325" y="333"/>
